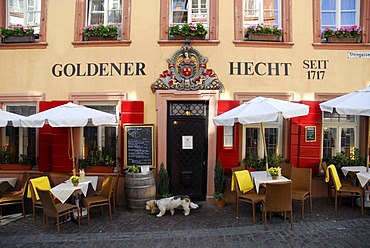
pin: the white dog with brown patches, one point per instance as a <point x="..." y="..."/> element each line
<point x="171" y="203"/>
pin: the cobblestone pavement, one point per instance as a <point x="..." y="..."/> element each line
<point x="208" y="226"/>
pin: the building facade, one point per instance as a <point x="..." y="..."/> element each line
<point x="147" y="75"/>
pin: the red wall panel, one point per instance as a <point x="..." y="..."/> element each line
<point x="306" y="154"/>
<point x="229" y="156"/>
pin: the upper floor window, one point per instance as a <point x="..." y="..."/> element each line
<point x="195" y="11"/>
<point x="106" y="12"/>
<point x="340" y="14"/>
<point x="179" y="12"/>
<point x="26" y="13"/>
<point x="268" y="13"/>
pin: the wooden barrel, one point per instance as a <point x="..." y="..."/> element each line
<point x="139" y="188"/>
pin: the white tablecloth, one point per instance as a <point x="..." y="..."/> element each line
<point x="5" y="182"/>
<point x="363" y="178"/>
<point x="11" y="180"/>
<point x="260" y="177"/>
<point x="64" y="190"/>
<point x="355" y="169"/>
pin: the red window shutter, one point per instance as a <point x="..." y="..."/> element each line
<point x="54" y="147"/>
<point x="306" y="154"/>
<point x="132" y="112"/>
<point x="229" y="156"/>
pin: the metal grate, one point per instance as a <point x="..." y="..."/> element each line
<point x="180" y="109"/>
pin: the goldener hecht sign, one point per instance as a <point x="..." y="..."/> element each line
<point x="98" y="69"/>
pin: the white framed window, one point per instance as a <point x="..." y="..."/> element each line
<point x="266" y="12"/>
<point x="253" y="142"/>
<point x="24" y="12"/>
<point x="105" y="12"/>
<point x="340" y="134"/>
<point x="193" y="11"/>
<point x="336" y="14"/>
<point x="103" y="137"/>
<point x="229" y="137"/>
<point x="20" y="140"/>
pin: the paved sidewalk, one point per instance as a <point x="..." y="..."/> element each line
<point x="208" y="226"/>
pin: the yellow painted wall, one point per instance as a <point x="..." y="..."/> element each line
<point x="29" y="70"/>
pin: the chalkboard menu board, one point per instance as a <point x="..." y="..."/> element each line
<point x="139" y="145"/>
<point x="310" y="133"/>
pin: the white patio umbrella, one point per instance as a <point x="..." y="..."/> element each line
<point x="6" y="117"/>
<point x="354" y="103"/>
<point x="69" y="115"/>
<point x="259" y="110"/>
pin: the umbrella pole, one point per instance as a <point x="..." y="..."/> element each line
<point x="368" y="143"/>
<point x="265" y="149"/>
<point x="73" y="154"/>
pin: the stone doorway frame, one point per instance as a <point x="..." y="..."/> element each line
<point x="162" y="98"/>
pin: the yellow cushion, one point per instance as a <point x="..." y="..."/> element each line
<point x="336" y="179"/>
<point x="244" y="180"/>
<point x="39" y="182"/>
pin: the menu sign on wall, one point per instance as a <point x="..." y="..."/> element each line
<point x="139" y="145"/>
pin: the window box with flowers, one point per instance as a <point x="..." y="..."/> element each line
<point x="263" y="33"/>
<point x="100" y="32"/>
<point x="187" y="31"/>
<point x="17" y="34"/>
<point x="343" y="35"/>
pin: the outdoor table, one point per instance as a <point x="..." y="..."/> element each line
<point x="363" y="178"/>
<point x="352" y="170"/>
<point x="261" y="177"/>
<point x="64" y="190"/>
<point x="5" y="182"/>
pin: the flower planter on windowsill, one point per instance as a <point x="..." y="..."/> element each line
<point x="19" y="39"/>
<point x="343" y="39"/>
<point x="99" y="38"/>
<point x="264" y="37"/>
<point x="99" y="169"/>
<point x="189" y="37"/>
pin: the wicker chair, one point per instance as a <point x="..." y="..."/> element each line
<point x="286" y="170"/>
<point x="249" y="197"/>
<point x="302" y="186"/>
<point x="114" y="189"/>
<point x="42" y="183"/>
<point x="330" y="183"/>
<point x="342" y="190"/>
<point x="17" y="196"/>
<point x="102" y="199"/>
<point x="55" y="210"/>
<point x="278" y="198"/>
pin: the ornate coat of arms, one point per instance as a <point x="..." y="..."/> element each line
<point x="187" y="71"/>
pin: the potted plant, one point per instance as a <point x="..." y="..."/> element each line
<point x="163" y="183"/>
<point x="343" y="35"/>
<point x="75" y="180"/>
<point x="100" y="32"/>
<point x="263" y="33"/>
<point x="187" y="31"/>
<point x="9" y="160"/>
<point x="340" y="159"/>
<point x="274" y="172"/>
<point x="98" y="161"/>
<point x="219" y="184"/>
<point x="253" y="162"/>
<point x="17" y="34"/>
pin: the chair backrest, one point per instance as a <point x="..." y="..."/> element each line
<point x="302" y="179"/>
<point x="334" y="176"/>
<point x="38" y="182"/>
<point x="56" y="178"/>
<point x="238" y="168"/>
<point x="278" y="197"/>
<point x="286" y="169"/>
<point x="245" y="178"/>
<point x="106" y="189"/>
<point x="24" y="182"/>
<point x="47" y="201"/>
